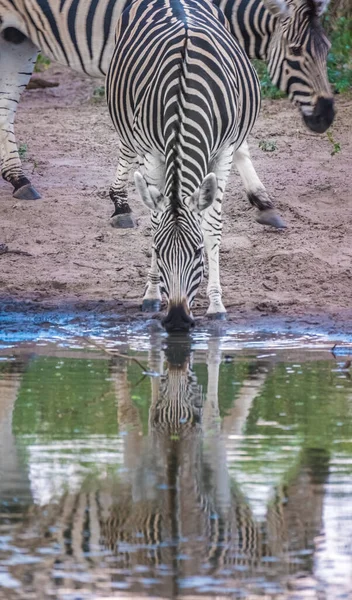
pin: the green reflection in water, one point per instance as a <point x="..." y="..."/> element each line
<point x="65" y="398"/>
<point x="309" y="403"/>
<point x="313" y="400"/>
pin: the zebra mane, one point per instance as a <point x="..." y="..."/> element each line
<point x="316" y="7"/>
<point x="177" y="148"/>
<point x="177" y="160"/>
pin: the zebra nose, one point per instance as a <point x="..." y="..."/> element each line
<point x="322" y="116"/>
<point x="177" y="320"/>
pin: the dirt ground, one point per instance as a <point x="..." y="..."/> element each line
<point x="75" y="256"/>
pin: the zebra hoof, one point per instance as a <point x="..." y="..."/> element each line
<point x="271" y="218"/>
<point x="26" y="192"/>
<point x="123" y="221"/>
<point x="151" y="306"/>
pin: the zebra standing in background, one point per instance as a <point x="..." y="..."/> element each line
<point x="183" y="97"/>
<point x="80" y="34"/>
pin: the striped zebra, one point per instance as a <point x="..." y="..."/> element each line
<point x="286" y="35"/>
<point x="183" y="97"/>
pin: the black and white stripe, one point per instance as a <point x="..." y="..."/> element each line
<point x="179" y="406"/>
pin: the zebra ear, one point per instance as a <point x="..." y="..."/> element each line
<point x="279" y="8"/>
<point x="149" y="194"/>
<point x="205" y="195"/>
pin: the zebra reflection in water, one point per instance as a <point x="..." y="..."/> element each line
<point x="172" y="513"/>
<point x="178" y="507"/>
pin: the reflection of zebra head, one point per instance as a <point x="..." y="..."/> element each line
<point x="178" y="406"/>
<point x="297" y="55"/>
<point x="178" y="242"/>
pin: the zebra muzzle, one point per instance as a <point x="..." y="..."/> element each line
<point x="322" y="116"/>
<point x="177" y="319"/>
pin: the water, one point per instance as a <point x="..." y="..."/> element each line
<point x="214" y="467"/>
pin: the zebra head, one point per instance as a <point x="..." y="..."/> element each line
<point x="179" y="246"/>
<point x="297" y="56"/>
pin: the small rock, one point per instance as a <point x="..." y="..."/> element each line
<point x="59" y="285"/>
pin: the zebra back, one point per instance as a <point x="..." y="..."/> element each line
<point x="180" y="84"/>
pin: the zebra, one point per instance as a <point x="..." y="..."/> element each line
<point x="286" y="35"/>
<point x="182" y="122"/>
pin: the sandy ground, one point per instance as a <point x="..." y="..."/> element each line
<point x="76" y="256"/>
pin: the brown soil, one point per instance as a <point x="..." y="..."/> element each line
<point x="76" y="256"/>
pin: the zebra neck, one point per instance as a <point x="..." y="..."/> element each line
<point x="251" y="23"/>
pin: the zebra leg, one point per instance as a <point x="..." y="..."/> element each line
<point x="122" y="217"/>
<point x="152" y="296"/>
<point x="17" y="58"/>
<point x="154" y="170"/>
<point x="256" y="192"/>
<point x="212" y="228"/>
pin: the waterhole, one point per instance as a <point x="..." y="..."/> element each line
<point x="135" y="464"/>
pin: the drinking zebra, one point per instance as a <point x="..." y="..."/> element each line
<point x="287" y="35"/>
<point x="183" y="97"/>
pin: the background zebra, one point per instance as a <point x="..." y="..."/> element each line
<point x="183" y="97"/>
<point x="287" y="35"/>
